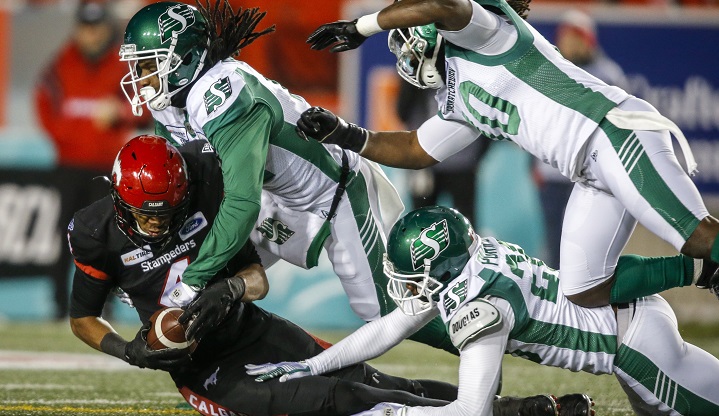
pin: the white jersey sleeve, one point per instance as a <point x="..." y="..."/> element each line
<point x="480" y="34"/>
<point x="442" y="138"/>
<point x="369" y="341"/>
<point x="480" y="368"/>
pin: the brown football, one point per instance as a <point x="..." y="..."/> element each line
<point x="167" y="332"/>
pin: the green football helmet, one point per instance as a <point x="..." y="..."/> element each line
<point x="427" y="248"/>
<point x="417" y="50"/>
<point x="175" y="36"/>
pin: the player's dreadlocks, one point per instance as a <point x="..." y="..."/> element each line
<point x="520" y="6"/>
<point x="229" y="30"/>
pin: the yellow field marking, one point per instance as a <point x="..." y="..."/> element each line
<point x="123" y="411"/>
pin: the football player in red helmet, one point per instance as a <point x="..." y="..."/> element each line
<point x="153" y="179"/>
<point x="149" y="190"/>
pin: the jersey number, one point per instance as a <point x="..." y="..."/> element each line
<point x="468" y="89"/>
<point x="544" y="286"/>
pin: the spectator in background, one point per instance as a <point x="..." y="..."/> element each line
<point x="83" y="112"/>
<point x="576" y="38"/>
<point x="457" y="175"/>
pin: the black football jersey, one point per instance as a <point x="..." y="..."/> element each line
<point x="106" y="259"/>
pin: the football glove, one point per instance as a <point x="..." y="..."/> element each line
<point x="385" y="409"/>
<point x="325" y="127"/>
<point x="211" y="307"/>
<point x="285" y="370"/>
<point x="182" y="294"/>
<point x="137" y="353"/>
<point x="343" y="34"/>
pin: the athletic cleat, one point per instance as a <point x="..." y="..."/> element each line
<point x="575" y="404"/>
<point x="709" y="276"/>
<point x="541" y="405"/>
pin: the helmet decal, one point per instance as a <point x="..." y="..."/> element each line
<point x="116" y="172"/>
<point x="175" y="21"/>
<point x="429" y="244"/>
<point x="218" y="93"/>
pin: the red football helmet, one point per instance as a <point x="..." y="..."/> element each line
<point x="149" y="180"/>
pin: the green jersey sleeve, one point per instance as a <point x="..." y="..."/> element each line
<point x="242" y="147"/>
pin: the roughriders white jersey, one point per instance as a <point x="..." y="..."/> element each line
<point x="295" y="173"/>
<point x="505" y="96"/>
<point x="548" y="329"/>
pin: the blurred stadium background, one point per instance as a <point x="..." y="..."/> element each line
<point x="667" y="49"/>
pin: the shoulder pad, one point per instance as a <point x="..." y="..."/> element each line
<point x="471" y="320"/>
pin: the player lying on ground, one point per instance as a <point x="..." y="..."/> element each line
<point x="495" y="299"/>
<point x="139" y="239"/>
<point x="497" y="77"/>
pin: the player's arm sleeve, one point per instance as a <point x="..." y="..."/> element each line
<point x="480" y="368"/>
<point x="479" y="32"/>
<point x="369" y="341"/>
<point x="442" y="138"/>
<point x="242" y="146"/>
<point x="90" y="284"/>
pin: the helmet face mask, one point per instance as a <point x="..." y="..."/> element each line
<point x="417" y="50"/>
<point x="172" y="39"/>
<point x="150" y="189"/>
<point x="412" y="302"/>
<point x="426" y="249"/>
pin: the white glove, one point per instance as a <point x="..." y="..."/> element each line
<point x="286" y="370"/>
<point x="123" y="296"/>
<point x="385" y="409"/>
<point x="182" y="294"/>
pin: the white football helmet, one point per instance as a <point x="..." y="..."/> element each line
<point x="417" y="50"/>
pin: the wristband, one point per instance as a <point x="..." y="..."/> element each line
<point x="114" y="345"/>
<point x="368" y="25"/>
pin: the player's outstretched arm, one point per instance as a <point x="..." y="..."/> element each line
<point x="399" y="149"/>
<point x="99" y="334"/>
<point x="345" y="35"/>
<point x="369" y="341"/>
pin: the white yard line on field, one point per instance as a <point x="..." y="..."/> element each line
<point x="25" y="360"/>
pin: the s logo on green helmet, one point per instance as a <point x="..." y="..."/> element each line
<point x="175" y="21"/>
<point x="432" y="241"/>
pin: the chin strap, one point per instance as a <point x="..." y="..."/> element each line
<point x="157" y="102"/>
<point x="136" y="106"/>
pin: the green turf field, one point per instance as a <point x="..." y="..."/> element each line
<point x="68" y="378"/>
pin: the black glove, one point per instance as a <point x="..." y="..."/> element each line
<point x="344" y="33"/>
<point x="211" y="306"/>
<point x="325" y="127"/>
<point x="137" y="353"/>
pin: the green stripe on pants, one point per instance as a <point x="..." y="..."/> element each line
<point x="643" y="370"/>
<point x="647" y="181"/>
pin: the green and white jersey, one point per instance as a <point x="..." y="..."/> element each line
<point x="250" y="121"/>
<point x="223" y="96"/>
<point x="528" y="94"/>
<point x="549" y="329"/>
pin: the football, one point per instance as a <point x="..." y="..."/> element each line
<point x="167" y="332"/>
